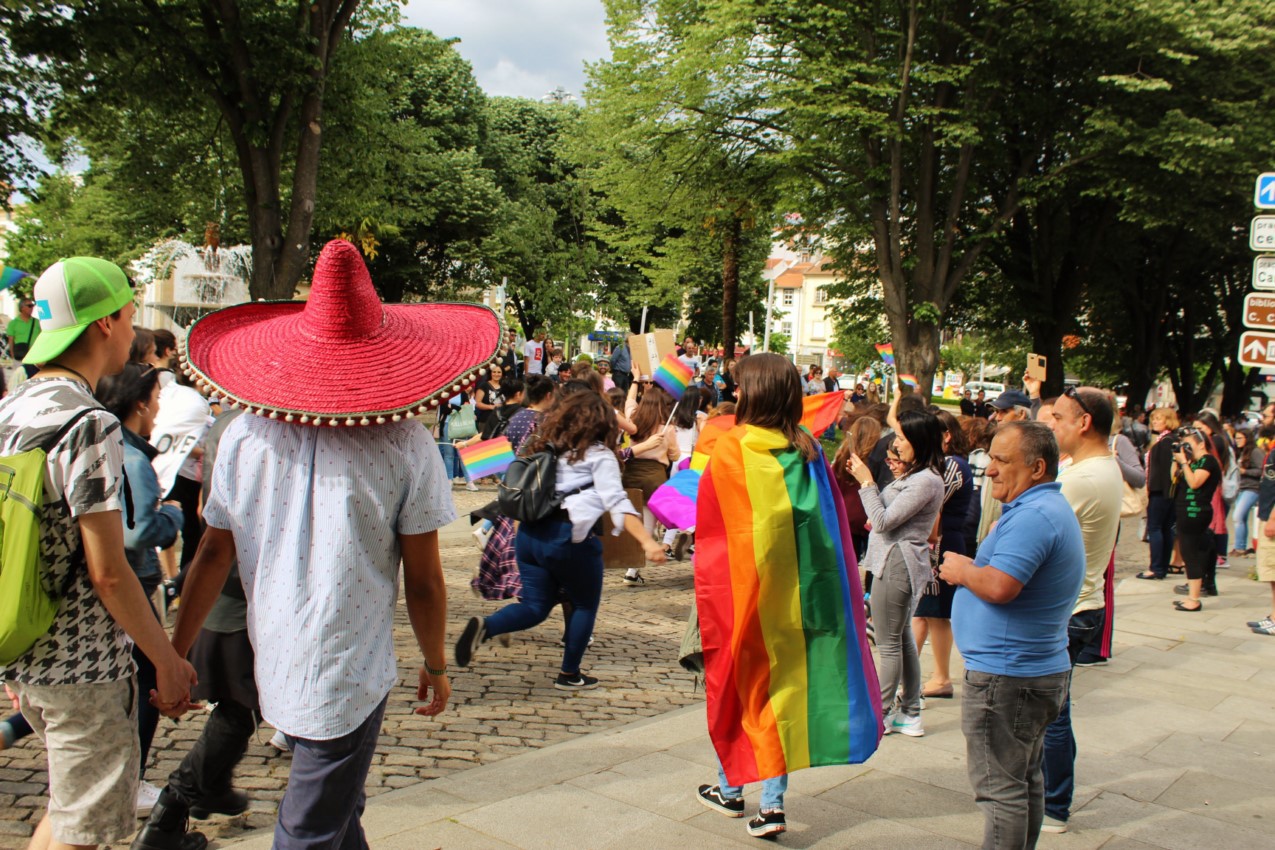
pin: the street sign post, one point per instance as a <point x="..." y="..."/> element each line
<point x="1257" y="349"/>
<point x="1259" y="311"/>
<point x="1264" y="191"/>
<point x="1264" y="272"/>
<point x="1261" y="235"/>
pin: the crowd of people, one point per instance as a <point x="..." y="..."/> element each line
<point x="205" y="486"/>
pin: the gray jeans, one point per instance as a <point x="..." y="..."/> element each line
<point x="897" y="660"/>
<point x="1004" y="720"/>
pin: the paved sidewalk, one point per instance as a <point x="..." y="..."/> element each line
<point x="1176" y="736"/>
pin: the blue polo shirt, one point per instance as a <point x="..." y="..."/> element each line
<point x="1038" y="542"/>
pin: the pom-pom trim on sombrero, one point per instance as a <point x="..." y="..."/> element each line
<point x="462" y="380"/>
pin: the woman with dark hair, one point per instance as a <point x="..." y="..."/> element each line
<point x="1250" y="463"/>
<point x="933" y="618"/>
<point x="901" y="518"/>
<point x="1218" y="446"/>
<point x="725" y="382"/>
<point x="133" y="397"/>
<point x="861" y="438"/>
<point x="1197" y="475"/>
<point x="142" y="349"/>
<point x="562" y="555"/>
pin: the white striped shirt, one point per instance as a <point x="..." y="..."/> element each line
<point x="316" y="514"/>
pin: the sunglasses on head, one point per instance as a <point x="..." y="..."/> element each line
<point x="1073" y="394"/>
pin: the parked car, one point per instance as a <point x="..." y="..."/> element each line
<point x="991" y="389"/>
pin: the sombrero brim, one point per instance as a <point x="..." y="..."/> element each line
<point x="262" y="358"/>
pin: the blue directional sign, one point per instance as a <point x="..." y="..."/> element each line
<point x="1264" y="192"/>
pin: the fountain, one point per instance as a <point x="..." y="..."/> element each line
<point x="182" y="282"/>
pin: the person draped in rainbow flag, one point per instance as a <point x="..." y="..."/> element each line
<point x="789" y="678"/>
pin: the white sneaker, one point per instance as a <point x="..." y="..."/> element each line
<point x="910" y="726"/>
<point x="469" y="485"/>
<point x="147" y="797"/>
<point x="888" y="722"/>
<point x="1053" y="825"/>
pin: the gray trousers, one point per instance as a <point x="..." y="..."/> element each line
<point x="1004" y="720"/>
<point x="897" y="659"/>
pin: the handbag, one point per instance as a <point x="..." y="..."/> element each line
<point x="461" y="425"/>
<point x="1134" y="501"/>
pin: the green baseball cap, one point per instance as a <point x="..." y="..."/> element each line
<point x="71" y="295"/>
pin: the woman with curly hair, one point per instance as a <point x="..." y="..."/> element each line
<point x="562" y="554"/>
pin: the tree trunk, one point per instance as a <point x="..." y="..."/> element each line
<point x="730" y="286"/>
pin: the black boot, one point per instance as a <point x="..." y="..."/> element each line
<point x="229" y="802"/>
<point x="166" y="827"/>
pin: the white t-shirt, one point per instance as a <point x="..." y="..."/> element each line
<point x="533" y="355"/>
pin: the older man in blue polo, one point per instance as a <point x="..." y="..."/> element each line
<point x="1010" y="615"/>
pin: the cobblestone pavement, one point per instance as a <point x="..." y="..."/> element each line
<point x="503" y="705"/>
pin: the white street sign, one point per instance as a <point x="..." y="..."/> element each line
<point x="1264" y="272"/>
<point x="1261" y="236"/>
<point x="1264" y="191"/>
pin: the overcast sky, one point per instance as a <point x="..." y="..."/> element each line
<point x="523" y="48"/>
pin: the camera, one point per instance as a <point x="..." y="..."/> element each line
<point x="1175" y="447"/>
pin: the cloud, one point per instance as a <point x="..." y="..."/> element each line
<point x="522" y="48"/>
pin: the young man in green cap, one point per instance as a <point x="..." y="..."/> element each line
<point x="76" y="683"/>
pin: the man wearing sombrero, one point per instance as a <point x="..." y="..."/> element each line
<point x="319" y="494"/>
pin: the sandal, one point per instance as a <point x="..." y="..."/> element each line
<point x="937" y="692"/>
<point x="1199" y="606"/>
<point x="1177" y="571"/>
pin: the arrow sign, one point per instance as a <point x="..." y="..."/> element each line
<point x="1264" y="191"/>
<point x="1257" y="349"/>
<point x="1259" y="311"/>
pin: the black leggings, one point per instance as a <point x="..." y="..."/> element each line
<point x="1199" y="553"/>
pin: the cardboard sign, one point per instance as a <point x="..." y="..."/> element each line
<point x="647" y="350"/>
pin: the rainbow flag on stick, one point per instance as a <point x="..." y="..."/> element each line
<point x="908" y="380"/>
<point x="886" y="350"/>
<point x="490" y="457"/>
<point x="10" y="276"/>
<point x="673" y="376"/>
<point x="789" y="677"/>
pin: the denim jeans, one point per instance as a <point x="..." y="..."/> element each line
<point x="1244" y="503"/>
<point x="897" y="659"/>
<point x="772" y="790"/>
<point x="1059" y="764"/>
<point x="1004" y="719"/>
<point x="325" y="798"/>
<point x="1160" y="531"/>
<point x="550" y="562"/>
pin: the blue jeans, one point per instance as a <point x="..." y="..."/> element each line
<point x="1003" y="719"/>
<point x="772" y="790"/>
<point x="324" y="799"/>
<point x="1059" y="764"/>
<point x="1244" y="503"/>
<point x="549" y="563"/>
<point x="1160" y="532"/>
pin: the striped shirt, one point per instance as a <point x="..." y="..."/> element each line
<point x="316" y="514"/>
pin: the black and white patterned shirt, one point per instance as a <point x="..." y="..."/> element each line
<point x="84" y="472"/>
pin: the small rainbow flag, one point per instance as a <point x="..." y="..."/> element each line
<point x="8" y="276"/>
<point x="909" y="380"/>
<point x="886" y="350"/>
<point x="788" y="673"/>
<point x="673" y="376"/>
<point x="490" y="457"/>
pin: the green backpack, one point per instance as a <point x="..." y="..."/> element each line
<point x="26" y="608"/>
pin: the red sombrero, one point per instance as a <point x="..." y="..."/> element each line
<point x="342" y="357"/>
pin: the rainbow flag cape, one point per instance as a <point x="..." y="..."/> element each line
<point x="673" y="376"/>
<point x="789" y="677"/>
<point x="490" y="457"/>
<point x="8" y="276"/>
<point x="886" y="350"/>
<point x="673" y="502"/>
<point x="909" y="380"/>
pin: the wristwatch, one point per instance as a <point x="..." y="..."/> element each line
<point x="432" y="671"/>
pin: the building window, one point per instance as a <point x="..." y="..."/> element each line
<point x="785" y="328"/>
<point x="788" y="297"/>
<point x="821" y="296"/>
<point x="816" y="330"/>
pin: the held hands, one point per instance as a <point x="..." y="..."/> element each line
<point x="174" y="681"/>
<point x="442" y="693"/>
<point x="952" y="569"/>
<point x="654" y="552"/>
